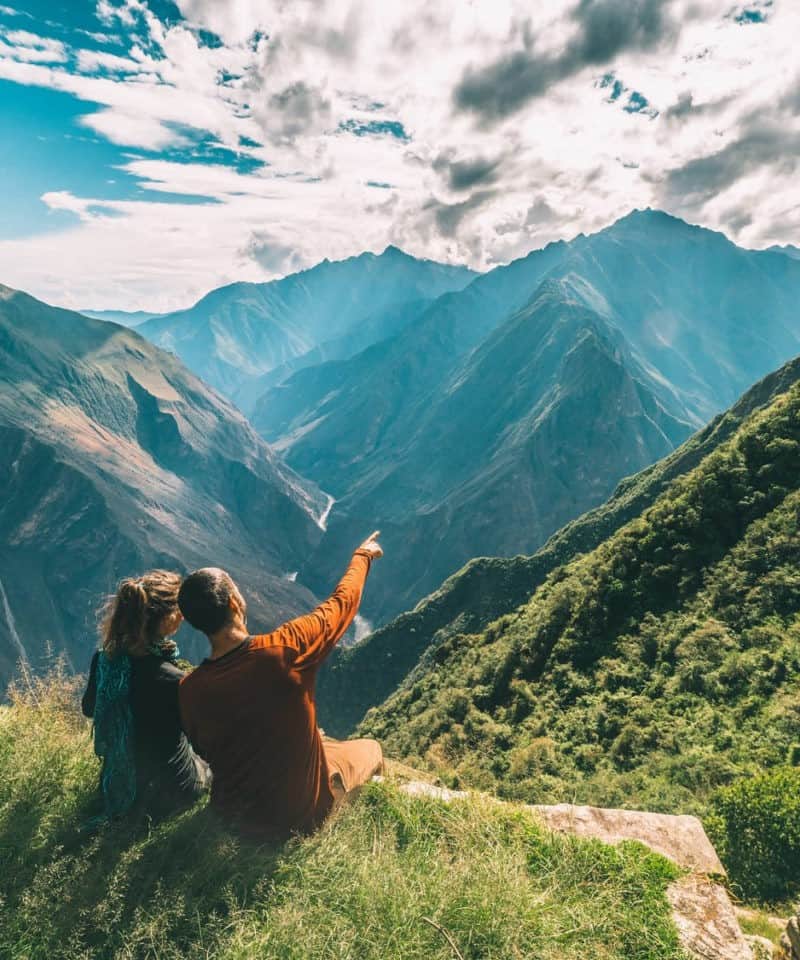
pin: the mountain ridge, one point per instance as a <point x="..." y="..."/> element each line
<point x="244" y="330"/>
<point x="358" y="426"/>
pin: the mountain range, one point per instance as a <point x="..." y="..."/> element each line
<point x="463" y="415"/>
<point x="116" y="458"/>
<point x="238" y="333"/>
<point x="513" y="406"/>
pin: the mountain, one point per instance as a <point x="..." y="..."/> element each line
<point x="515" y="405"/>
<point x="114" y="459"/>
<point x="358" y="678"/>
<point x="126" y="318"/>
<point x="490" y="471"/>
<point x="787" y="249"/>
<point x="240" y="332"/>
<point x="371" y="329"/>
<point x="651" y="670"/>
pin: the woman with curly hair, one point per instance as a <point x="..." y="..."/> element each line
<point x="132" y="695"/>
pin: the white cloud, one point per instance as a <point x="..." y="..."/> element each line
<point x="31" y="48"/>
<point x="89" y="61"/>
<point x="289" y="74"/>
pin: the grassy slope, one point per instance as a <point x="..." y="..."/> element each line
<point x="488" y="875"/>
<point x="362" y="677"/>
<point x="645" y="673"/>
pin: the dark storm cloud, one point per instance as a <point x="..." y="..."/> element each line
<point x="448" y="216"/>
<point x="694" y="183"/>
<point x="604" y="29"/>
<point x="465" y="174"/>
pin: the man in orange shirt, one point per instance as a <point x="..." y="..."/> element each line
<point x="249" y="708"/>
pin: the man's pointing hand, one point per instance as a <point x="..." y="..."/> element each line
<point x="371" y="545"/>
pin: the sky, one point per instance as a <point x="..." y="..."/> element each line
<point x="152" y="150"/>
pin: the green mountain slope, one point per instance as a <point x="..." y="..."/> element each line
<point x="647" y="672"/>
<point x="363" y="676"/>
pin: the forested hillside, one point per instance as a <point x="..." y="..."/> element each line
<point x="647" y="672"/>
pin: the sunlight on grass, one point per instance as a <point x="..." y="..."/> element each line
<point x="390" y="877"/>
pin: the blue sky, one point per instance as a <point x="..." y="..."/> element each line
<point x="152" y="150"/>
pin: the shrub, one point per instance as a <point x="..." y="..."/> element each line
<point x="757" y="827"/>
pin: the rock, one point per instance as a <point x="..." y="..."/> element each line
<point x="681" y="839"/>
<point x="761" y="948"/>
<point x="786" y="947"/>
<point x="792" y="936"/>
<point x="416" y="788"/>
<point x="706" y="922"/>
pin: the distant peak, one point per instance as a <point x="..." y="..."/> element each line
<point x="393" y="251"/>
<point x="649" y="215"/>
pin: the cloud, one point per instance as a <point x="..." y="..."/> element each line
<point x="466" y="173"/>
<point x="296" y="110"/>
<point x="448" y="216"/>
<point x="761" y="144"/>
<point x="31" y="48"/>
<point x="274" y="256"/>
<point x="605" y="28"/>
<point x="259" y="135"/>
<point x="89" y="61"/>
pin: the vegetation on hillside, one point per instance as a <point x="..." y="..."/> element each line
<point x="648" y="673"/>
<point x="363" y="676"/>
<point x="756" y="824"/>
<point x="390" y="876"/>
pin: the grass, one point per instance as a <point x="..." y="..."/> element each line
<point x="389" y="877"/>
<point x="762" y="925"/>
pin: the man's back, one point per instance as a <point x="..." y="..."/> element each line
<point x="257" y="729"/>
<point x="251" y="714"/>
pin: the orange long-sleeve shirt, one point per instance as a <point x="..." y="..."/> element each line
<point x="251" y="714"/>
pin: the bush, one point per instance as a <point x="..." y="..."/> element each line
<point x="757" y="828"/>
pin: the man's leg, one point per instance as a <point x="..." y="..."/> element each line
<point x="351" y="763"/>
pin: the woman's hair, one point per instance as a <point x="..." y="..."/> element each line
<point x="129" y="620"/>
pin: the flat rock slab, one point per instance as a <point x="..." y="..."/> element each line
<point x="682" y="839"/>
<point x="706" y="921"/>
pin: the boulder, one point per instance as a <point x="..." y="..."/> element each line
<point x="790" y="941"/>
<point x="681" y="839"/>
<point x="706" y="922"/>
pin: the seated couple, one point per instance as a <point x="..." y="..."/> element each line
<point x="243" y="723"/>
